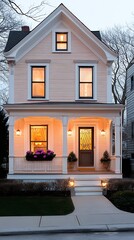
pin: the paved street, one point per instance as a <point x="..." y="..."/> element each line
<point x="73" y="236"/>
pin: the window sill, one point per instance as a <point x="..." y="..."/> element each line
<point x="65" y="52"/>
<point x="38" y="99"/>
<point x="86" y="100"/>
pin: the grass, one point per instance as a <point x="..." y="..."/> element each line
<point x="124" y="200"/>
<point x="35" y="205"/>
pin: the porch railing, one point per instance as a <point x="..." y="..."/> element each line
<point x="21" y="165"/>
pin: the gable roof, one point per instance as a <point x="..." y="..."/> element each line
<point x="20" y="43"/>
<point x="16" y="36"/>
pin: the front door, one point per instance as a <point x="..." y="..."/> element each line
<point x="86" y="146"/>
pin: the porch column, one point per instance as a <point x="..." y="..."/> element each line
<point x="118" y="145"/>
<point x="11" y="145"/>
<point x="11" y="81"/>
<point x="64" y="144"/>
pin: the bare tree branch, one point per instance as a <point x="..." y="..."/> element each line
<point x="34" y="12"/>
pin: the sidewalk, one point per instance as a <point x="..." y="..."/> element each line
<point x="92" y="213"/>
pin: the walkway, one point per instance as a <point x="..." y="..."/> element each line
<point x="92" y="213"/>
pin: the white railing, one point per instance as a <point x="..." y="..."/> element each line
<point x="21" y="165"/>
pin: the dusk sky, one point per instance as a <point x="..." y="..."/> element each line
<point x="96" y="14"/>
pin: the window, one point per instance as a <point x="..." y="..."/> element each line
<point x="61" y="41"/>
<point x="132" y="130"/>
<point x="85" y="82"/>
<point x="38" y="137"/>
<point x="38" y="79"/>
<point x="132" y="83"/>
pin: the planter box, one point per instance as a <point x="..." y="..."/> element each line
<point x="39" y="159"/>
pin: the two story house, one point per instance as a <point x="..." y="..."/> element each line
<point x="130" y="113"/>
<point x="60" y="99"/>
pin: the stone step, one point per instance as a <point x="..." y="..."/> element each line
<point x="87" y="183"/>
<point x="88" y="193"/>
<point x="88" y="187"/>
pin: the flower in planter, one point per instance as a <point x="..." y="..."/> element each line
<point x="40" y="155"/>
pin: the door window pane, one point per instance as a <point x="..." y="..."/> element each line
<point x="85" y="139"/>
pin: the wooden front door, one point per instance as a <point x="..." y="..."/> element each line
<point x="86" y="146"/>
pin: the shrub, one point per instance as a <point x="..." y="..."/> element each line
<point x="15" y="187"/>
<point x="123" y="200"/>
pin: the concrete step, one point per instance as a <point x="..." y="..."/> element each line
<point x="87" y="183"/>
<point x="88" y="193"/>
<point x="88" y="187"/>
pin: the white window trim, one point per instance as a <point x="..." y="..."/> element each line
<point x="29" y="81"/>
<point x="54" y="40"/>
<point x="94" y="81"/>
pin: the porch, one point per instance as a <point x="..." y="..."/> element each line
<point x="48" y="128"/>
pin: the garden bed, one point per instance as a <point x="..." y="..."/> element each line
<point x="121" y="193"/>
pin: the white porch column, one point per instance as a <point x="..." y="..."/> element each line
<point x="11" y="145"/>
<point x="118" y="143"/>
<point x="11" y="81"/>
<point x="109" y="82"/>
<point x="64" y="143"/>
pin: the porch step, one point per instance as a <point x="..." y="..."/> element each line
<point x="88" y="187"/>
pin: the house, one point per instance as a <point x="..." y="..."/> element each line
<point x="130" y="113"/>
<point x="61" y="99"/>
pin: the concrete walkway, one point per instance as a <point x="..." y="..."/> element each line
<point x="92" y="213"/>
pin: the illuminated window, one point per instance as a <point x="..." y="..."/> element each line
<point x="85" y="82"/>
<point x="38" y="138"/>
<point x="61" y="41"/>
<point x="38" y="75"/>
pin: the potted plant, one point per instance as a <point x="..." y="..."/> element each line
<point x="72" y="159"/>
<point x="105" y="160"/>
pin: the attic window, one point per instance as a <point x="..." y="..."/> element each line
<point x="61" y="41"/>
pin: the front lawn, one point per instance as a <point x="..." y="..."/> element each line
<point x="35" y="205"/>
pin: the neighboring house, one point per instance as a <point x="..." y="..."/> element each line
<point x="130" y="113"/>
<point x="61" y="99"/>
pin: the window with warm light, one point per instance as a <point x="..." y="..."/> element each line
<point x="85" y="82"/>
<point x="38" y="75"/>
<point x="38" y="137"/>
<point x="62" y="41"/>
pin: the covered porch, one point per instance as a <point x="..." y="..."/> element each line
<point x="66" y="126"/>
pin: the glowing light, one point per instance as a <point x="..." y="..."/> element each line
<point x="18" y="132"/>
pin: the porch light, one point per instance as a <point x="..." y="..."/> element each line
<point x="18" y="132"/>
<point x="103" y="132"/>
<point x="69" y="132"/>
<point x="71" y="183"/>
<point x="104" y="183"/>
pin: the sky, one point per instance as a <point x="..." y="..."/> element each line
<point x="95" y="14"/>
